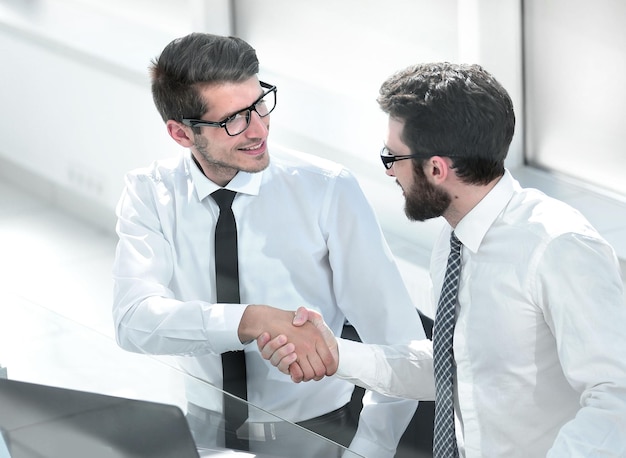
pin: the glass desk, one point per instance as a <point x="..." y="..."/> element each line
<point x="58" y="369"/>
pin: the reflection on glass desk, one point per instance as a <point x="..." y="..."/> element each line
<point x="70" y="387"/>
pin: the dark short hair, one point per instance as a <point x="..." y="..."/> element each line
<point x="454" y="110"/>
<point x="192" y="62"/>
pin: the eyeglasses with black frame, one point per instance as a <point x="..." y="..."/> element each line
<point x="237" y="123"/>
<point x="388" y="158"/>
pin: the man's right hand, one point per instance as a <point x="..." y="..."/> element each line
<point x="313" y="356"/>
<point x="282" y="352"/>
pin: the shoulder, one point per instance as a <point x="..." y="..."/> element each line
<point x="548" y="229"/>
<point x="291" y="162"/>
<point x="546" y="216"/>
<point x="304" y="177"/>
<point x="161" y="172"/>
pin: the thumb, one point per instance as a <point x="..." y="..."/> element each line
<point x="301" y="317"/>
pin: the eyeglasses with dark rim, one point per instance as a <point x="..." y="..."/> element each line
<point x="388" y="158"/>
<point x="239" y="122"/>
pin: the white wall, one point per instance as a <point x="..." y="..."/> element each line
<point x="76" y="108"/>
<point x="329" y="58"/>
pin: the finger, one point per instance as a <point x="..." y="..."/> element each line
<point x="308" y="373"/>
<point x="286" y="351"/>
<point x="315" y="318"/>
<point x="327" y="359"/>
<point x="262" y="340"/>
<point x="285" y="362"/>
<point x="301" y="316"/>
<point x="317" y="366"/>
<point x="327" y="349"/>
<point x="323" y="360"/>
<point x="297" y="375"/>
<point x="272" y="346"/>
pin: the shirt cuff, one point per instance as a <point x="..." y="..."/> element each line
<point x="353" y="356"/>
<point x="232" y="317"/>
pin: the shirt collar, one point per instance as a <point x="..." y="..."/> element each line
<point x="474" y="226"/>
<point x="243" y="182"/>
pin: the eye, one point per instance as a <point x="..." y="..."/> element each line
<point x="238" y="117"/>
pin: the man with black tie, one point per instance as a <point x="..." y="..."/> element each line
<point x="304" y="235"/>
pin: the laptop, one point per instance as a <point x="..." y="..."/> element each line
<point x="38" y="421"/>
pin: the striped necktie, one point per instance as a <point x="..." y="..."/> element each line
<point x="444" y="440"/>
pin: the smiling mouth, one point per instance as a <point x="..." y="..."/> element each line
<point x="253" y="148"/>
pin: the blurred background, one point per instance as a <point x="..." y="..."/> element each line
<point x="76" y="111"/>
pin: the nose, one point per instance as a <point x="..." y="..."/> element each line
<point x="389" y="172"/>
<point x="258" y="126"/>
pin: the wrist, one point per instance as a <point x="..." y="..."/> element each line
<point x="251" y="324"/>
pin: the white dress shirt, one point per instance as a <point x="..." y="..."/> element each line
<point x="306" y="237"/>
<point x="539" y="341"/>
<point x="395" y="370"/>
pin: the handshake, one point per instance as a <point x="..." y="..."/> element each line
<point x="303" y="360"/>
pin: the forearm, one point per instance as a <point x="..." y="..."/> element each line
<point x="395" y="370"/>
<point x="382" y="422"/>
<point x="599" y="428"/>
<point x="166" y="326"/>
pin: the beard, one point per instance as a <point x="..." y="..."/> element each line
<point x="201" y="145"/>
<point x="423" y="200"/>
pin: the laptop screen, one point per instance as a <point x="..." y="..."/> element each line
<point x="40" y="421"/>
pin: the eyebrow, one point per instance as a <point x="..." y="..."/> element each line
<point x="393" y="153"/>
<point x="243" y="109"/>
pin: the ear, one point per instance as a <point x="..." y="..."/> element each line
<point x="180" y="133"/>
<point x="437" y="169"/>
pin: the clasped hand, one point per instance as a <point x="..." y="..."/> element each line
<point x="298" y="359"/>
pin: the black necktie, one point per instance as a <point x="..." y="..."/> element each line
<point x="227" y="283"/>
<point x="444" y="441"/>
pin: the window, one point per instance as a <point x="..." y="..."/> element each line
<point x="575" y="61"/>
